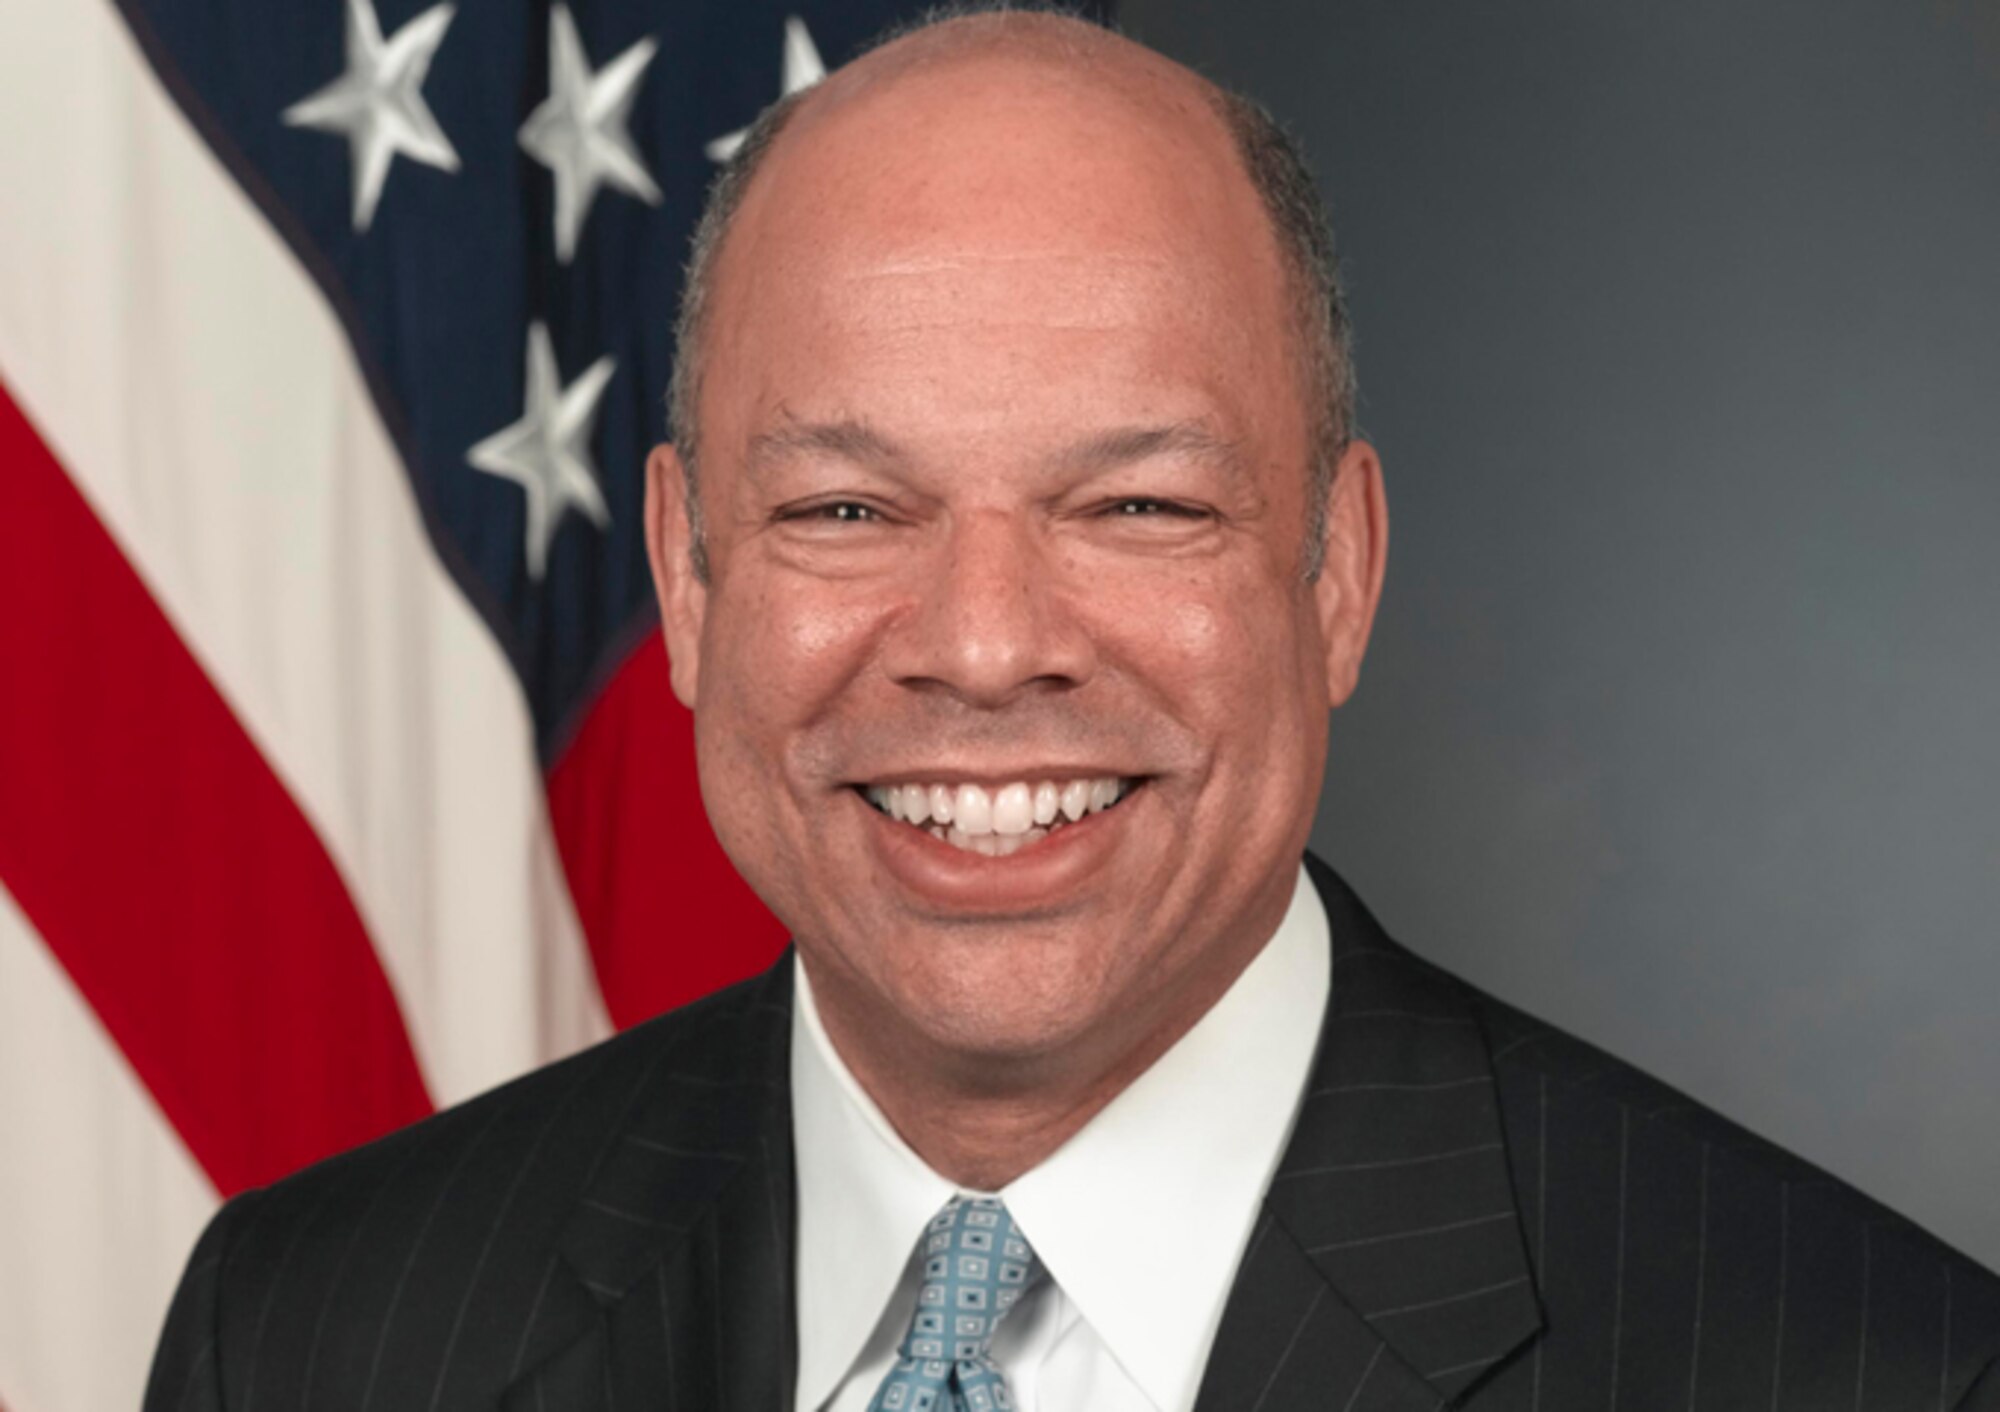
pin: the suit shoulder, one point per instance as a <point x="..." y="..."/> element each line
<point x="354" y="1272"/>
<point x="1634" y="1196"/>
<point x="1603" y="1131"/>
<point x="581" y="1097"/>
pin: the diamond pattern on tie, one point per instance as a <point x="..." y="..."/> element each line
<point x="976" y="1265"/>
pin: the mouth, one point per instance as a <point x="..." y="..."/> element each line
<point x="998" y="821"/>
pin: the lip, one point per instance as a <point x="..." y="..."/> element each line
<point x="1038" y="878"/>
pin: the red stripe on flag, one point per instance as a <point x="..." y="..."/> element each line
<point x="165" y="865"/>
<point x="667" y="917"/>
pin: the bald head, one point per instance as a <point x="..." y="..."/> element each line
<point x="1021" y="137"/>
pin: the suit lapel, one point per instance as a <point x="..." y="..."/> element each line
<point x="1390" y="1242"/>
<point x="702" y="1170"/>
<point x="1386" y="1273"/>
<point x="1289" y="1342"/>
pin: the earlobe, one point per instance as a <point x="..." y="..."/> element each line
<point x="682" y="595"/>
<point x="1350" y="583"/>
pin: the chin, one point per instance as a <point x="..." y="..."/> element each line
<point x="1017" y="1010"/>
<point x="1006" y="1050"/>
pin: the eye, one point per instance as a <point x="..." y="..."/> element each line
<point x="1145" y="506"/>
<point x="840" y="512"/>
<point x="847" y="512"/>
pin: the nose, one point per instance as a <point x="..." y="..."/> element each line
<point x="992" y="619"/>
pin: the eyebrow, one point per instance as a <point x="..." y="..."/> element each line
<point x="1121" y="446"/>
<point x="862" y="444"/>
<point x="849" y="440"/>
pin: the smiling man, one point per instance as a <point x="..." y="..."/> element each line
<point x="1009" y="657"/>
<point x="1013" y="546"/>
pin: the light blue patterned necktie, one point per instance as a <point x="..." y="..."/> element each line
<point x="976" y="1265"/>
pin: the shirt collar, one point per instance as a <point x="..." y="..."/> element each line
<point x="863" y="1197"/>
<point x="1141" y="1217"/>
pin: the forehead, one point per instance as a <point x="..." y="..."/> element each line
<point x="995" y="193"/>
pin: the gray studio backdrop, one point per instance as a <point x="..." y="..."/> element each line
<point x="1680" y="336"/>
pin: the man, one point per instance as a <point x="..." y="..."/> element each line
<point x="1013" y="544"/>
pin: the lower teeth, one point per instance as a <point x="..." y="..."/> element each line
<point x="993" y="845"/>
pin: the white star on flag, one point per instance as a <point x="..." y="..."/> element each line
<point x="547" y="452"/>
<point x="378" y="104"/>
<point x="803" y="69"/>
<point x="579" y="131"/>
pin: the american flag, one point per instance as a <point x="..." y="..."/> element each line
<point x="339" y="776"/>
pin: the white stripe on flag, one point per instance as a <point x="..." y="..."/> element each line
<point x="99" y="1201"/>
<point x="194" y="383"/>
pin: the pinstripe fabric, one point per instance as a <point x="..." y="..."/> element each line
<point x="613" y="1230"/>
<point x="1475" y="1210"/>
<point x="1479" y="1211"/>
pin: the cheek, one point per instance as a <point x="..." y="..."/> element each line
<point x="778" y="654"/>
<point x="787" y="653"/>
<point x="1218" y="645"/>
<point x="1193" y="630"/>
<point x="784" y="650"/>
<point x="819" y="631"/>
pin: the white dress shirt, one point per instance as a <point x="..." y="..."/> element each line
<point x="1139" y="1220"/>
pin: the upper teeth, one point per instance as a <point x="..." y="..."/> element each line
<point x="1011" y="809"/>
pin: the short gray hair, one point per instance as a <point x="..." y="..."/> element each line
<point x="1276" y="166"/>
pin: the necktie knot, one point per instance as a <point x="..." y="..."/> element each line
<point x="976" y="1265"/>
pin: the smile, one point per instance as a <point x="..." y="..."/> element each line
<point x="1000" y="821"/>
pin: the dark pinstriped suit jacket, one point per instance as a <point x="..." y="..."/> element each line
<point x="1474" y="1211"/>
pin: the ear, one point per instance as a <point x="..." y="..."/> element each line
<point x="1350" y="580"/>
<point x="670" y="548"/>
